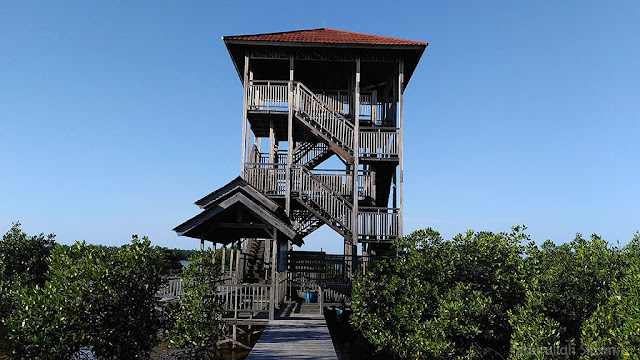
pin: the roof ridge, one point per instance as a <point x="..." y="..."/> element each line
<point x="325" y="35"/>
<point x="275" y="32"/>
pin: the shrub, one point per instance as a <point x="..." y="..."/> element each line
<point x="566" y="285"/>
<point x="613" y="330"/>
<point x="195" y="324"/>
<point x="439" y="299"/>
<point x="97" y="298"/>
<point x="22" y="263"/>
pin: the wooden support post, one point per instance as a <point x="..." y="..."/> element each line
<point x="224" y="257"/>
<point x="213" y="247"/>
<point x="395" y="189"/>
<point x="374" y="107"/>
<point x="287" y="206"/>
<point x="354" y="260"/>
<point x="272" y="154"/>
<point x="231" y="253"/>
<point x="239" y="273"/>
<point x="245" y="84"/>
<point x="321" y="298"/>
<point x="356" y="152"/>
<point x="201" y="244"/>
<point x="272" y="295"/>
<point x="346" y="266"/>
<point x="401" y="145"/>
<point x="235" y="303"/>
<point x="365" y="258"/>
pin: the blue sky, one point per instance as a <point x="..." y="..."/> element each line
<point x="116" y="116"/>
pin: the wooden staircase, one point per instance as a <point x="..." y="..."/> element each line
<point x="311" y="154"/>
<point x="254" y="261"/>
<point x="324" y="122"/>
<point x="305" y="222"/>
<point x="326" y="204"/>
<point x="328" y="196"/>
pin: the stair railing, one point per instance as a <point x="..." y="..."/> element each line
<point x="308" y="154"/>
<point x="319" y="114"/>
<point x="314" y="192"/>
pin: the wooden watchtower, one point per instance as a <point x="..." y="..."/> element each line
<point x="309" y="96"/>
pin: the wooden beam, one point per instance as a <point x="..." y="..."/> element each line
<point x="246" y="226"/>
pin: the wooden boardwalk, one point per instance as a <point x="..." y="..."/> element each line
<point x="300" y="333"/>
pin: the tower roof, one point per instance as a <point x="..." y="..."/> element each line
<point x="325" y="36"/>
<point x="328" y="43"/>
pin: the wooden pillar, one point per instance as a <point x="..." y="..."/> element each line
<point x="274" y="284"/>
<point x="374" y="107"/>
<point x="356" y="152"/>
<point x="245" y="84"/>
<point x="272" y="146"/>
<point x="201" y="244"/>
<point x="401" y="145"/>
<point x="289" y="139"/>
<point x="250" y="135"/>
<point x="239" y="273"/>
<point x="224" y="257"/>
<point x="394" y="189"/>
<point x="347" y="267"/>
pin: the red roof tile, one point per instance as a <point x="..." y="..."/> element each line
<point x="324" y="35"/>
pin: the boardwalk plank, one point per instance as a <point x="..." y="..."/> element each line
<point x="295" y="339"/>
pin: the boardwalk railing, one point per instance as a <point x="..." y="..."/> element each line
<point x="253" y="299"/>
<point x="379" y="142"/>
<point x="382" y="223"/>
<point x="268" y="95"/>
<point x="172" y="287"/>
<point x="245" y="298"/>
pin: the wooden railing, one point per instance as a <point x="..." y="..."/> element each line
<point x="304" y="222"/>
<point x="267" y="178"/>
<point x="251" y="298"/>
<point x="383" y="223"/>
<point x="341" y="182"/>
<point x="263" y="158"/>
<point x="379" y="143"/>
<point x="309" y="152"/>
<point x="326" y="110"/>
<point x="338" y="101"/>
<point x="316" y="193"/>
<point x="268" y="95"/>
<point x="318" y="114"/>
<point x="374" y="109"/>
<point x="172" y="288"/>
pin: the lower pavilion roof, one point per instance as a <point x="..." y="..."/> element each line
<point x="237" y="211"/>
